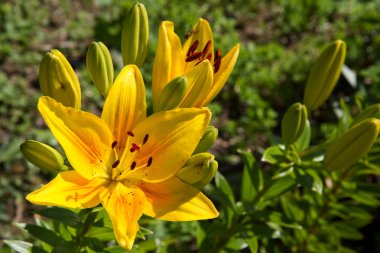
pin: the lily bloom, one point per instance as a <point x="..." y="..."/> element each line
<point x="125" y="160"/>
<point x="206" y="71"/>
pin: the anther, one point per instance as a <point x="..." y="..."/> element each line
<point x="130" y="133"/>
<point x="145" y="139"/>
<point x="193" y="57"/>
<point x="192" y="48"/>
<point x="150" y="160"/>
<point x="209" y="56"/>
<point x="115" y="164"/>
<point x="134" y="147"/>
<point x="133" y="165"/>
<point x="114" y="143"/>
<point x="218" y="61"/>
<point x="206" y="48"/>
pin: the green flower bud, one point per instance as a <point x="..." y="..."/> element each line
<point x="43" y="156"/>
<point x="207" y="140"/>
<point x="99" y="65"/>
<point x="199" y="170"/>
<point x="324" y="75"/>
<point x="372" y="111"/>
<point x="172" y="94"/>
<point x="134" y="36"/>
<point x="58" y="79"/>
<point x="293" y="123"/>
<point x="348" y="148"/>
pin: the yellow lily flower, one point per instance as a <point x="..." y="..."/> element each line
<point x="125" y="160"/>
<point x="205" y="71"/>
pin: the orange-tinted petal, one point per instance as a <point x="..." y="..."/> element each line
<point x="85" y="138"/>
<point x="124" y="206"/>
<point x="174" y="200"/>
<point x="125" y="105"/>
<point x="68" y="189"/>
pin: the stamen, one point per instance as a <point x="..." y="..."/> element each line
<point x="192" y="48"/>
<point x="145" y="139"/>
<point x="150" y="160"/>
<point x="130" y="133"/>
<point x="134" y="147"/>
<point x="206" y="48"/>
<point x="133" y="165"/>
<point x="193" y="57"/>
<point x="217" y="61"/>
<point x="209" y="56"/>
<point x="115" y="164"/>
<point x="114" y="143"/>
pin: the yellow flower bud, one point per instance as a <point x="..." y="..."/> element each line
<point x="99" y="65"/>
<point x="43" y="156"/>
<point x="293" y="123"/>
<point x="172" y="94"/>
<point x="348" y="148"/>
<point x="207" y="140"/>
<point x="58" y="79"/>
<point x="134" y="36"/>
<point x="199" y="170"/>
<point x="372" y="111"/>
<point x="324" y="75"/>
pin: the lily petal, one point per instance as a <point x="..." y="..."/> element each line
<point x="84" y="137"/>
<point x="175" y="132"/>
<point x="68" y="189"/>
<point x="125" y="105"/>
<point x="168" y="62"/>
<point x="220" y="78"/>
<point x="199" y="81"/>
<point x="124" y="206"/>
<point x="202" y="33"/>
<point x="174" y="200"/>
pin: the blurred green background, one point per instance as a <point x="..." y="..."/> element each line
<point x="279" y="41"/>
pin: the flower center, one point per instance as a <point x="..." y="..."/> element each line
<point x="193" y="55"/>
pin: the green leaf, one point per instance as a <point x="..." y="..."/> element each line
<point x="273" y="155"/>
<point x="236" y="244"/>
<point x="310" y="179"/>
<point x="304" y="141"/>
<point x="348" y="232"/>
<point x="93" y="243"/>
<point x="19" y="246"/>
<point x="65" y="246"/>
<point x="101" y="233"/>
<point x="223" y="185"/>
<point x="279" y="186"/>
<point x="63" y="215"/>
<point x="365" y="198"/>
<point x="43" y="234"/>
<point x="251" y="178"/>
<point x="253" y="244"/>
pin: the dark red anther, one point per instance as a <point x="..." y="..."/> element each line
<point x="192" y="48"/>
<point x="193" y="57"/>
<point x="217" y="61"/>
<point x="134" y="147"/>
<point x="130" y="133"/>
<point x="150" y="160"/>
<point x="145" y="139"/>
<point x="209" y="56"/>
<point x="115" y="164"/>
<point x="206" y="48"/>
<point x="133" y="165"/>
<point x="114" y="143"/>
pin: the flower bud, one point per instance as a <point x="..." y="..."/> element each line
<point x="324" y="75"/>
<point x="293" y="123"/>
<point x="99" y="65"/>
<point x="199" y="170"/>
<point x="207" y="140"/>
<point x="58" y="79"/>
<point x="372" y="111"/>
<point x="42" y="156"/>
<point x="134" y="35"/>
<point x="172" y="94"/>
<point x="348" y="148"/>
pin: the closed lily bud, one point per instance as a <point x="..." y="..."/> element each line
<point x="293" y="123"/>
<point x="207" y="140"/>
<point x="134" y="36"/>
<point x="99" y="65"/>
<point x="372" y="111"/>
<point x="324" y="75"/>
<point x="199" y="170"/>
<point x="43" y="156"/>
<point x="58" y="79"/>
<point x="172" y="94"/>
<point x="348" y="148"/>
